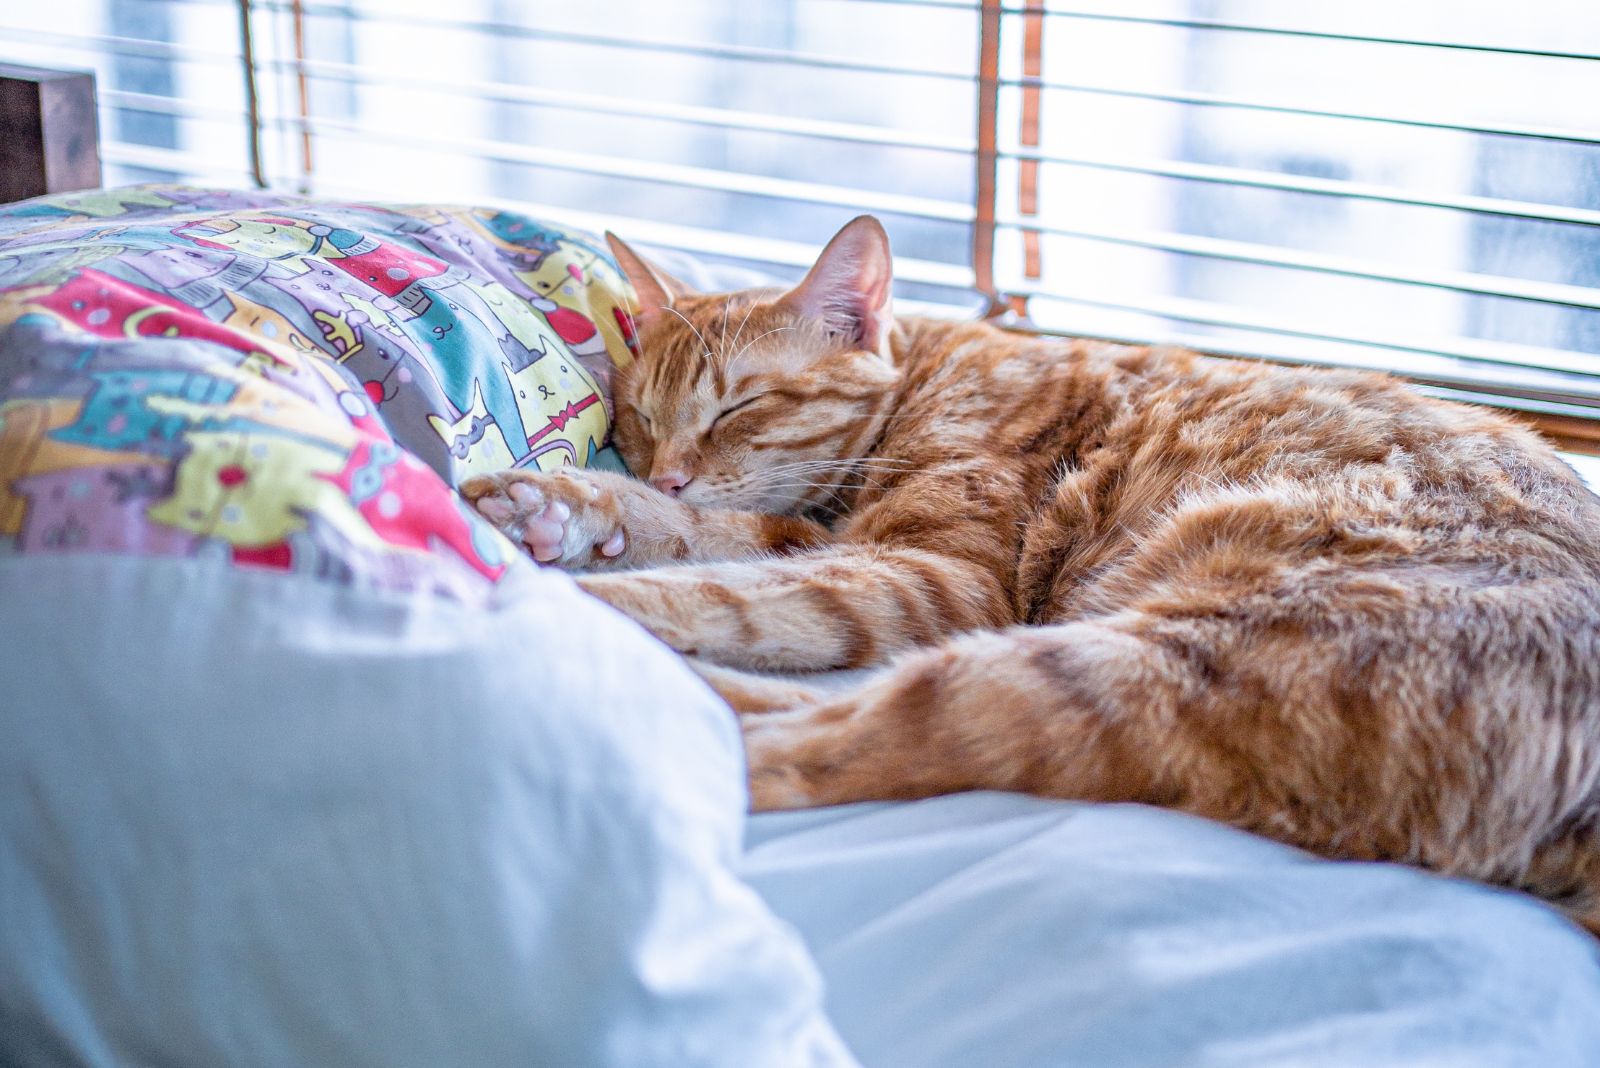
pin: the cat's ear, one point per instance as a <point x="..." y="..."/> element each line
<point x="655" y="288"/>
<point x="851" y="286"/>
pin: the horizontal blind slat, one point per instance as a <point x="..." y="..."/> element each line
<point x="655" y="171"/>
<point x="1556" y="293"/>
<point x="1570" y="368"/>
<point x="1295" y="183"/>
<point x="1217" y="100"/>
<point x="1496" y="399"/>
<point x="738" y="53"/>
<point x="125" y="100"/>
<point x="1228" y="26"/>
<point x="112" y="44"/>
<point x="1470" y="389"/>
<point x="759" y="122"/>
<point x="1480" y="388"/>
<point x="170" y="160"/>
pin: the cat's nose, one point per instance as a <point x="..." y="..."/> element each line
<point x="671" y="482"/>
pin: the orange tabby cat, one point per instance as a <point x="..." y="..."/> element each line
<point x="1308" y="603"/>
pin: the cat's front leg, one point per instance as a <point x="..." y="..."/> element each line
<point x="581" y="520"/>
<point x="849" y="606"/>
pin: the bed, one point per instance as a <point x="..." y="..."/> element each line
<point x="302" y="763"/>
<point x="1003" y="930"/>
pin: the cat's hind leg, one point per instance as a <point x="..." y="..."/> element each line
<point x="1080" y="711"/>
<point x="1362" y="744"/>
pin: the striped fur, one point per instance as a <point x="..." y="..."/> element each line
<point x="1308" y="603"/>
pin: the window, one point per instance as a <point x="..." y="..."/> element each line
<point x="1414" y="187"/>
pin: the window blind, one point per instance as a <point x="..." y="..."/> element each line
<point x="1413" y="187"/>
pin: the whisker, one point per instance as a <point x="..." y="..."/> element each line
<point x="751" y="307"/>
<point x="703" y="344"/>
<point x="762" y="485"/>
<point x="791" y="483"/>
<point x="728" y="364"/>
<point x="792" y="478"/>
<point x="842" y="462"/>
<point x="827" y="467"/>
<point x="808" y="471"/>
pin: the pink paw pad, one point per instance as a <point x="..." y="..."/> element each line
<point x="545" y="526"/>
<point x="526" y="512"/>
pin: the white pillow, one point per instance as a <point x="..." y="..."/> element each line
<point x="251" y="818"/>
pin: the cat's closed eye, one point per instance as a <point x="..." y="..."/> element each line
<point x="734" y="408"/>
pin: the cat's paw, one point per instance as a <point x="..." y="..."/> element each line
<point x="563" y="518"/>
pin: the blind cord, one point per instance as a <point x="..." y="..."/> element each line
<point x="252" y="96"/>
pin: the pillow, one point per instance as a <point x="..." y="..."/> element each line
<point x="485" y="338"/>
<point x="287" y="383"/>
<point x="264" y="819"/>
<point x="302" y="762"/>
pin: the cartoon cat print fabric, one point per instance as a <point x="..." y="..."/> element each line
<point x="291" y="384"/>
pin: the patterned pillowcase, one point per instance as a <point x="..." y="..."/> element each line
<point x="289" y="383"/>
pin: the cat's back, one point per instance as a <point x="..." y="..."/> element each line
<point x="1271" y="483"/>
<point x="1358" y="449"/>
<point x="1173" y="422"/>
<point x="1114" y="460"/>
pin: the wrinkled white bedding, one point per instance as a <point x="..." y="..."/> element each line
<point x="995" y="930"/>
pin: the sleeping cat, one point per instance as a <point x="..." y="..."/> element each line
<point x="1308" y="603"/>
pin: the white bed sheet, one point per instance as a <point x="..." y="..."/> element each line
<point x="993" y="930"/>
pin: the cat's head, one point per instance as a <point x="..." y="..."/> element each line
<point x="763" y="399"/>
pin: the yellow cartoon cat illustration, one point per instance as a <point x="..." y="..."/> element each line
<point x="254" y="489"/>
<point x="477" y="445"/>
<point x="272" y="327"/>
<point x="558" y="401"/>
<point x="253" y="237"/>
<point x="530" y="329"/>
<point x="580" y="281"/>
